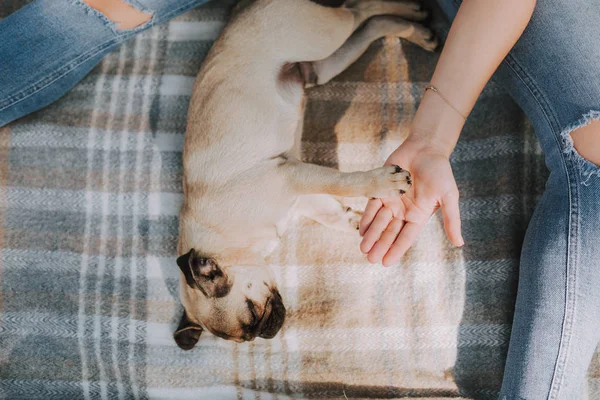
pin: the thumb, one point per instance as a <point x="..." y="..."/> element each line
<point x="452" y="223"/>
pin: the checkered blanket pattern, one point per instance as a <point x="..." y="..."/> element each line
<point x="89" y="196"/>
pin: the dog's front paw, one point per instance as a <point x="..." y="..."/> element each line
<point x="388" y="181"/>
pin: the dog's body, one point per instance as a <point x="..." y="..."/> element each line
<point x="243" y="178"/>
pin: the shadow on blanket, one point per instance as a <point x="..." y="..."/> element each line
<point x="332" y="390"/>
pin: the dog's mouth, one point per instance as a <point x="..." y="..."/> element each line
<point x="271" y="321"/>
<point x="266" y="326"/>
<point x="256" y="328"/>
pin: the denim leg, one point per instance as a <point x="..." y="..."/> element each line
<point x="50" y="45"/>
<point x="553" y="72"/>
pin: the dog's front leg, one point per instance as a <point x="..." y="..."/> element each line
<point x="328" y="211"/>
<point x="313" y="179"/>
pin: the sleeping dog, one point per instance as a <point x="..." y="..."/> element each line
<point x="243" y="177"/>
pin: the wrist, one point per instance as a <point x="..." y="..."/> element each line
<point x="421" y="144"/>
<point x="436" y="126"/>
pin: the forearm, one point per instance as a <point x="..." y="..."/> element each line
<point x="481" y="36"/>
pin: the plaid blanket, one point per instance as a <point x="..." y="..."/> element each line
<point x="90" y="190"/>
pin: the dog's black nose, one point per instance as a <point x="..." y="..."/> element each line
<point x="275" y="320"/>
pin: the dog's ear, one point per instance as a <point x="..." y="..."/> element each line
<point x="204" y="274"/>
<point x="187" y="333"/>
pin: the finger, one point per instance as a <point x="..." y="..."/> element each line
<point x="381" y="221"/>
<point x="387" y="238"/>
<point x="371" y="210"/>
<point x="452" y="223"/>
<point x="405" y="239"/>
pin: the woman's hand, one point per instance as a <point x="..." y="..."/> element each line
<point x="481" y="35"/>
<point x="391" y="225"/>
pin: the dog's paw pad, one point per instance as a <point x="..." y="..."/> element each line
<point x="400" y="174"/>
<point x="389" y="181"/>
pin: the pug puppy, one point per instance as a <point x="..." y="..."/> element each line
<point x="243" y="177"/>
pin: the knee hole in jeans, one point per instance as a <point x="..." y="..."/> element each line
<point x="123" y="14"/>
<point x="582" y="142"/>
<point x="587" y="141"/>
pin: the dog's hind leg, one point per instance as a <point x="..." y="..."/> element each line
<point x="313" y="32"/>
<point x="366" y="9"/>
<point x="377" y="27"/>
<point x="328" y="211"/>
<point x="305" y="178"/>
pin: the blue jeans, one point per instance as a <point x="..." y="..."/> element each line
<point x="553" y="73"/>
<point x="48" y="46"/>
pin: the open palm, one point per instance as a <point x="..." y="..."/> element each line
<point x="391" y="225"/>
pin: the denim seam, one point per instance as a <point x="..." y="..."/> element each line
<point x="571" y="298"/>
<point x="570" y="273"/>
<point x="49" y="80"/>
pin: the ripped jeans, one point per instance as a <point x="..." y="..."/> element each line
<point x="553" y="73"/>
<point x="48" y="46"/>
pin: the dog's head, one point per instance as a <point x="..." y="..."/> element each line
<point x="232" y="302"/>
